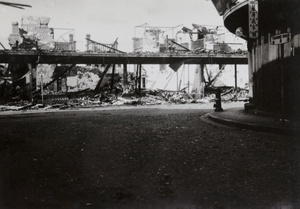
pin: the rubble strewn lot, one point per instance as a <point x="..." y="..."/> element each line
<point x="87" y="99"/>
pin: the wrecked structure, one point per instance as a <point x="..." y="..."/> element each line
<point x="112" y="83"/>
<point x="194" y="79"/>
<point x="18" y="80"/>
<point x="34" y="33"/>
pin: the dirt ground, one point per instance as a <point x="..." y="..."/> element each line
<point x="143" y="157"/>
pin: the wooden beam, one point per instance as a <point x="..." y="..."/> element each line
<point x="186" y="49"/>
<point x="104" y="45"/>
<point x="98" y="87"/>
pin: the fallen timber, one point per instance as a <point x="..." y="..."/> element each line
<point x="51" y="57"/>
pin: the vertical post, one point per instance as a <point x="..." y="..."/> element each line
<point x="254" y="73"/>
<point x="33" y="77"/>
<point x="250" y="71"/>
<point x="29" y="93"/>
<point x="218" y="104"/>
<point x="136" y="78"/>
<point x="42" y="89"/>
<point x="282" y="84"/>
<point x="140" y="78"/>
<point x="202" y="84"/>
<point x="177" y="80"/>
<point x="124" y="77"/>
<point x="188" y="79"/>
<point x="32" y="81"/>
<point x="112" y="77"/>
<point x="235" y="76"/>
<point x="181" y="80"/>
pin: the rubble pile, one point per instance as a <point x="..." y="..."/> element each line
<point x="235" y="95"/>
<point x="88" y="99"/>
<point x="191" y="52"/>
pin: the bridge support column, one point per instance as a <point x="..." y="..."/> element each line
<point x="32" y="81"/>
<point x="202" y="83"/>
<point x="138" y="78"/>
<point x="188" y="79"/>
<point x="135" y="79"/>
<point x="235" y="76"/>
<point x="124" y="83"/>
<point x="112" y="78"/>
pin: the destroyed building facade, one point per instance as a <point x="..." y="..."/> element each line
<point x="183" y="40"/>
<point x="34" y="33"/>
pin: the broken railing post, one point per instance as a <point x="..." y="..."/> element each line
<point x="218" y="105"/>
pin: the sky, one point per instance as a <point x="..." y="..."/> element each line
<point x="107" y="20"/>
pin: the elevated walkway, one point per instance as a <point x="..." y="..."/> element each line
<point x="51" y="57"/>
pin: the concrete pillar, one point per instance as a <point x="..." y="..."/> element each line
<point x="72" y="45"/>
<point x="71" y="38"/>
<point x="14" y="37"/>
<point x="15" y="28"/>
<point x="198" y="86"/>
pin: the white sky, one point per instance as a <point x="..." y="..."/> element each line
<point x="107" y="20"/>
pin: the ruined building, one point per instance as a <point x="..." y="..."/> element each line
<point x="34" y="33"/>
<point x="180" y="39"/>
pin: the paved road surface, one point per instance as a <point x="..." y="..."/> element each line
<point x="156" y="157"/>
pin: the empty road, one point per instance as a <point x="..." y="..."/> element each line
<point x="158" y="157"/>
